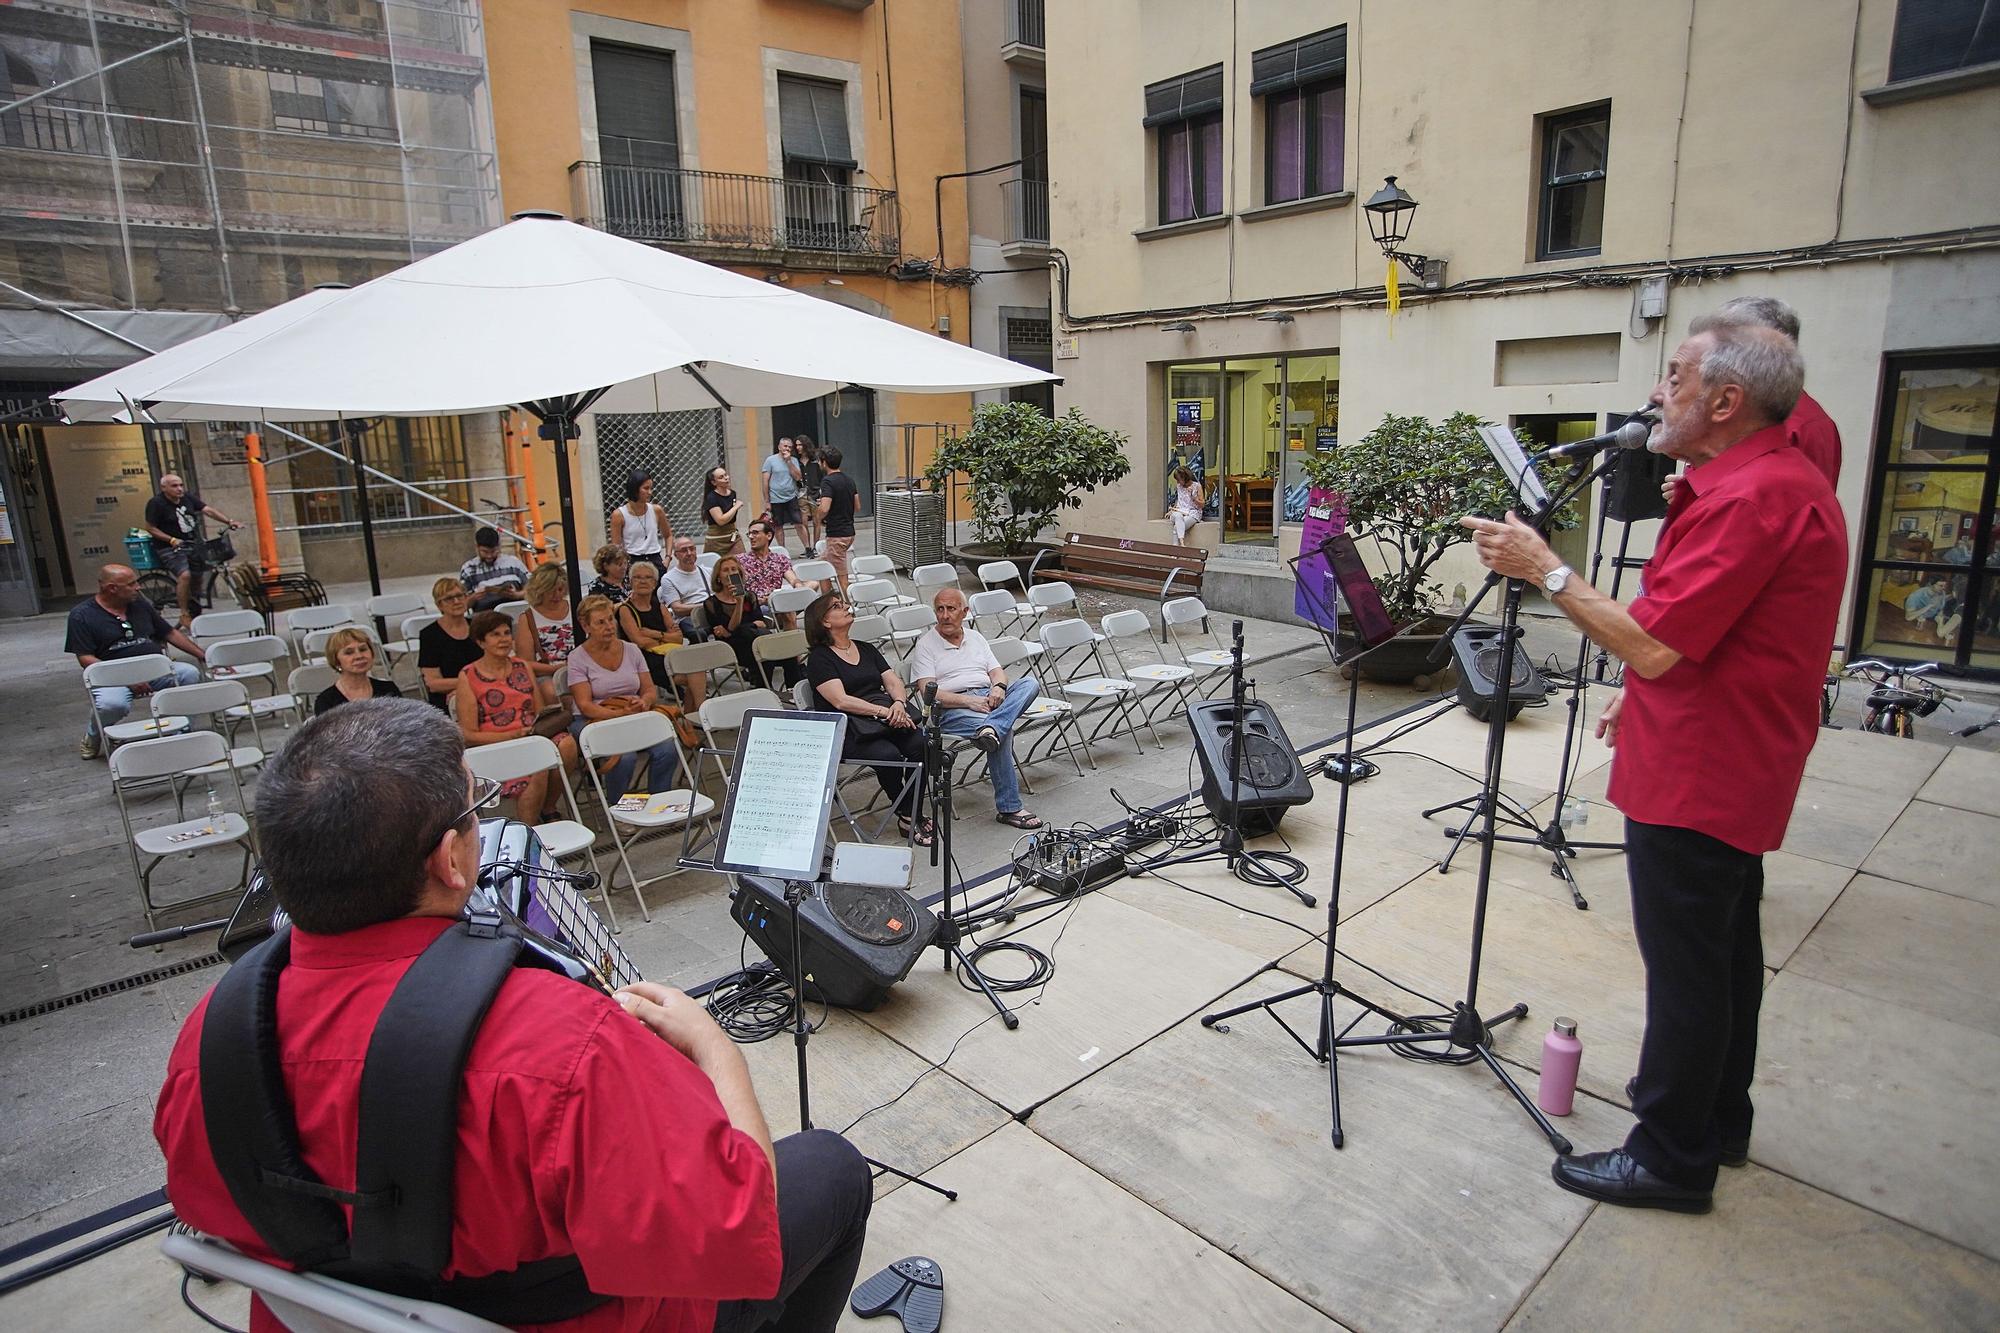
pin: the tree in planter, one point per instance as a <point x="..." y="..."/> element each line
<point x="1024" y="468"/>
<point x="1405" y="485"/>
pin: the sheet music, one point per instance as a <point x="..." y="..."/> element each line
<point x="779" y="794"/>
<point x="1520" y="470"/>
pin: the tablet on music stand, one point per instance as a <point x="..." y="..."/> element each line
<point x="781" y="793"/>
<point x="1521" y="474"/>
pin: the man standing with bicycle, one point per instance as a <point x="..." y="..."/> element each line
<point x="1725" y="652"/>
<point x="173" y="517"/>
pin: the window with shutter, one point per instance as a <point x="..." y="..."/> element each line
<point x="638" y="141"/>
<point x="819" y="163"/>
<point x="1303" y="84"/>
<point x="1185" y="114"/>
<point x="1943" y="36"/>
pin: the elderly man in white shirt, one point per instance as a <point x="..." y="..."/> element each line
<point x="974" y="698"/>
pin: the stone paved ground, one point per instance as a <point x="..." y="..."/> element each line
<point x="1121" y="1166"/>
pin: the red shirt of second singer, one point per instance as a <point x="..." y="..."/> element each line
<point x="579" y="1132"/>
<point x="1745" y="585"/>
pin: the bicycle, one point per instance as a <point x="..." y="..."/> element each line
<point x="162" y="589"/>
<point x="1898" y="696"/>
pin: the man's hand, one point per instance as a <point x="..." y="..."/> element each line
<point x="1512" y="549"/>
<point x="678" y="1019"/>
<point x="1668" y="487"/>
<point x="978" y="703"/>
<point x="1607" y="721"/>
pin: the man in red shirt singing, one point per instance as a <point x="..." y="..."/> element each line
<point x="619" y="1135"/>
<point x="1724" y="654"/>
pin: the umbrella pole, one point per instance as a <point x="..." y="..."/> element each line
<point x="562" y="429"/>
<point x="352" y="439"/>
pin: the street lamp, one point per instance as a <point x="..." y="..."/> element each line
<point x="1390" y="212"/>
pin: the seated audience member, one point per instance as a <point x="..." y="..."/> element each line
<point x="543" y="631"/>
<point x="619" y="1132"/>
<point x="686" y="585"/>
<point x="855" y="678"/>
<point x="446" y="645"/>
<point x="607" y="679"/>
<point x="734" y="615"/>
<point x="613" y="567"/>
<point x="116" y="623"/>
<point x="972" y="690"/>
<point x="768" y="567"/>
<point x="499" y="699"/>
<point x="490" y="577"/>
<point x="351" y="654"/>
<point x="644" y="620"/>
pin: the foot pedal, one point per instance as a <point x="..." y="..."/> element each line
<point x="912" y="1289"/>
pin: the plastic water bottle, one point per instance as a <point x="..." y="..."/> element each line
<point x="1575" y="813"/>
<point x="214" y="809"/>
<point x="1562" y="1055"/>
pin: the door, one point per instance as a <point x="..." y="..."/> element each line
<point x="638" y="142"/>
<point x="844" y="419"/>
<point x="19" y="595"/>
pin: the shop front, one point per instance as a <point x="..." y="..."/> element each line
<point x="1244" y="427"/>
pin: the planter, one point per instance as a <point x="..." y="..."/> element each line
<point x="1406" y="659"/>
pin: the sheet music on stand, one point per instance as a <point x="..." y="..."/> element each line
<point x="781" y="794"/>
<point x="1520" y="470"/>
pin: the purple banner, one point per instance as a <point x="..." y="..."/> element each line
<point x="1316" y="599"/>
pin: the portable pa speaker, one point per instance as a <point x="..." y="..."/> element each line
<point x="1476" y="649"/>
<point x="1633" y="493"/>
<point x="859" y="939"/>
<point x="1272" y="779"/>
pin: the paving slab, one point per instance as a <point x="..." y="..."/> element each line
<point x="1883" y="1106"/>
<point x="1438" y="1213"/>
<point x="1840" y="823"/>
<point x="1775" y="1254"/>
<point x="1038" y="1240"/>
<point x="1122" y="976"/>
<point x="1943" y="848"/>
<point x="1891" y="765"/>
<point x="132" y="1287"/>
<point x="1916" y="948"/>
<point x="1968" y="779"/>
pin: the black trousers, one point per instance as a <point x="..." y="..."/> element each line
<point x="903" y="786"/>
<point x="1695" y="912"/>
<point x="824" y="1194"/>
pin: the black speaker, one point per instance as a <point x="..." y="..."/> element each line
<point x="1476" y="649"/>
<point x="1272" y="779"/>
<point x="859" y="939"/>
<point x="1633" y="493"/>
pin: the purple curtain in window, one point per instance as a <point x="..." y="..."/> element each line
<point x="1287" y="131"/>
<point x="1180" y="173"/>
<point x="1211" y="161"/>
<point x="1332" y="138"/>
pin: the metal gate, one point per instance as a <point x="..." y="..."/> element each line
<point x="678" y="449"/>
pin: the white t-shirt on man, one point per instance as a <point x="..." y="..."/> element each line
<point x="965" y="669"/>
<point x="685" y="585"/>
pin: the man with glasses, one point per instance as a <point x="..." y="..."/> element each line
<point x="978" y="702"/>
<point x="684" y="585"/>
<point x="116" y="623"/>
<point x="622" y="1132"/>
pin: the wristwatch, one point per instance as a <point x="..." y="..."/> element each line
<point x="1557" y="579"/>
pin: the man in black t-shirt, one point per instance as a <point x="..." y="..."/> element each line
<point x="173" y="517"/>
<point x="839" y="501"/>
<point x="118" y="623"/>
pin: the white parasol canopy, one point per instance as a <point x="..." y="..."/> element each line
<point x="539" y="310"/>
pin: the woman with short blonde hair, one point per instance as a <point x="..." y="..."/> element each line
<point x="351" y="654"/>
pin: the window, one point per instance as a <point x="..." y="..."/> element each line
<point x="425" y="451"/>
<point x="1031" y="222"/>
<point x="638" y="141"/>
<point x="1186" y="115"/>
<point x="1575" y="148"/>
<point x="1030" y="340"/>
<point x="1942" y="36"/>
<point x="819" y="162"/>
<point x="310" y="105"/>
<point x="1304" y="87"/>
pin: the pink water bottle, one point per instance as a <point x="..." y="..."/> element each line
<point x="1562" y="1053"/>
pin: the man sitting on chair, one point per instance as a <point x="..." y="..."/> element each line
<point x="622" y="1133"/>
<point x="116" y="623"/>
<point x="976" y="700"/>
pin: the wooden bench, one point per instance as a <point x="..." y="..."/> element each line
<point x="1123" y="563"/>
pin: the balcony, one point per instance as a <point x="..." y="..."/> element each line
<point x="1027" y="204"/>
<point x="1023" y="44"/>
<point x="726" y="216"/>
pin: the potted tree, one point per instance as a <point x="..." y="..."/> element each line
<point x="1023" y="469"/>
<point x="1405" y="485"/>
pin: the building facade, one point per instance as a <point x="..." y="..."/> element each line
<point x="798" y="141"/>
<point x="167" y="167"/>
<point x="1591" y="177"/>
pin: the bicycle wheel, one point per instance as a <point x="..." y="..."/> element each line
<point x="160" y="588"/>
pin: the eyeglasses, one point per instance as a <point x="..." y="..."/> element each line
<point x="485" y="795"/>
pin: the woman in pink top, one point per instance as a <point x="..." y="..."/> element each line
<point x="608" y="679"/>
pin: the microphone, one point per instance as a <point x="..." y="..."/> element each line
<point x="1631" y="435"/>
<point x="930" y="696"/>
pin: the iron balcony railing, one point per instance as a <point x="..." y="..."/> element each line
<point x="1024" y="23"/>
<point x="1027" y="203"/>
<point x="725" y="210"/>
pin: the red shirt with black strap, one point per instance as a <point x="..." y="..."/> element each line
<point x="1745" y="585"/>
<point x="579" y="1132"/>
<point x="1813" y="431"/>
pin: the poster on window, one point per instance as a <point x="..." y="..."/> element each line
<point x="1316" y="599"/>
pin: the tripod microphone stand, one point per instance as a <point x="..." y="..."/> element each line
<point x="937" y="776"/>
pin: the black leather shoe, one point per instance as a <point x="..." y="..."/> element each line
<point x="1735" y="1152"/>
<point x="1613" y="1177"/>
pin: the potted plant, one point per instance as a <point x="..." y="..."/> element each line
<point x="1405" y="485"/>
<point x="1023" y="468"/>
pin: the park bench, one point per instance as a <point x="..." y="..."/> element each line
<point x="1125" y="564"/>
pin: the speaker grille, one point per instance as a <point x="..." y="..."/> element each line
<point x="1265" y="762"/>
<point x="1488" y="662"/>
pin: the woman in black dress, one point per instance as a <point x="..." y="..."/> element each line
<point x="446" y="647"/>
<point x="733" y="614"/>
<point x="856" y="679"/>
<point x="351" y="654"/>
<point x="643" y="618"/>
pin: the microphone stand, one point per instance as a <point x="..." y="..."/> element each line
<point x="950" y="928"/>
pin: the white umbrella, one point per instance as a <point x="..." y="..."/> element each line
<point x="554" y="317"/>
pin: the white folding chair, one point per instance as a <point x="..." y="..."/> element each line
<point x="1211" y="664"/>
<point x="814" y="571"/>
<point x="929" y="578"/>
<point x="308" y="682"/>
<point x="707" y="561"/>
<point x="412" y="627"/>
<point x="313" y="646"/>
<point x="664" y="811"/>
<point x="305" y="619"/>
<point x="1163" y="685"/>
<point x="873" y="595"/>
<point x="390" y="608"/>
<point x="907" y="624"/>
<point x="724" y="713"/>
<point x="1056" y="717"/>
<point x="792" y="601"/>
<point x="879" y="566"/>
<point x="869" y="629"/>
<point x="697" y="659"/>
<point x="210" y="701"/>
<point x="307" y="1301"/>
<point x="125" y="672"/>
<point x="225" y="657"/>
<point x="1005" y="576"/>
<point x="772" y="649"/>
<point x="1049" y="599"/>
<point x="508" y="760"/>
<point x="1093" y="691"/>
<point x="213" y="627"/>
<point x="176" y="757"/>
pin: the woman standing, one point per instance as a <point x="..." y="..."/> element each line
<point x="351" y="654"/>
<point x="733" y="613"/>
<point x="446" y="646"/>
<point x="811" y="473"/>
<point x="720" y="506"/>
<point x="614" y="569"/>
<point x="498" y="701"/>
<point x="546" y="626"/>
<point x="856" y="679"/>
<point x="1188" y="502"/>
<point x="639" y="525"/>
<point x="607" y="680"/>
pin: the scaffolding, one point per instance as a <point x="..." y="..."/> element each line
<point x="227" y="155"/>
